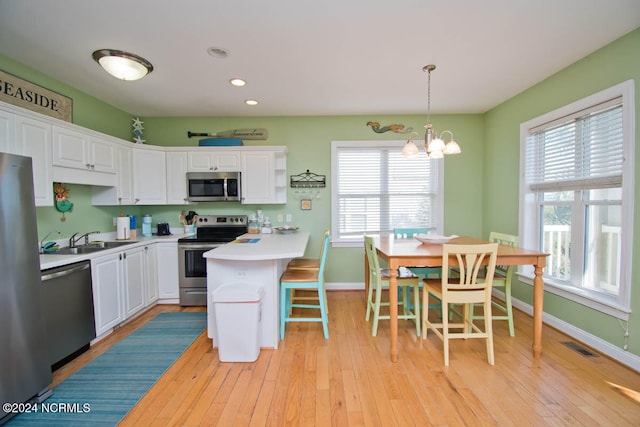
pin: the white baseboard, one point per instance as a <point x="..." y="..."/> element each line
<point x="616" y="353"/>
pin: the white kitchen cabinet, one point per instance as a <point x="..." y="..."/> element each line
<point x="149" y="176"/>
<point x="122" y="192"/>
<point x="213" y="161"/>
<point x="76" y="149"/>
<point x="264" y="177"/>
<point x="33" y="139"/>
<point x="168" y="288"/>
<point x="7" y="131"/>
<point x="119" y="287"/>
<point x="177" y="177"/>
<point x="134" y="280"/>
<point x="108" y="300"/>
<point x="151" y="274"/>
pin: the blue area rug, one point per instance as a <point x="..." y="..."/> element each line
<point x="105" y="390"/>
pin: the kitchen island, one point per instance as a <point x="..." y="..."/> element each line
<point x="254" y="259"/>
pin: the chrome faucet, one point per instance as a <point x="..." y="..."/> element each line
<point x="73" y="240"/>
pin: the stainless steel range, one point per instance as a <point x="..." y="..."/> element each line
<point x="211" y="231"/>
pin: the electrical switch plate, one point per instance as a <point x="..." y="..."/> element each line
<point x="114" y="221"/>
<point x="279" y="218"/>
<point x="289" y="219"/>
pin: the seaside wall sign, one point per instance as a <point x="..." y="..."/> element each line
<point x="21" y="93"/>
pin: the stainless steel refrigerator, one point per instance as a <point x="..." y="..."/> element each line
<point x="24" y="361"/>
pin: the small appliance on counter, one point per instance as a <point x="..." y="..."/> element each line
<point x="163" y="229"/>
<point x="146" y="225"/>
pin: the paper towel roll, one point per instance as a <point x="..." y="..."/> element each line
<point x="123" y="228"/>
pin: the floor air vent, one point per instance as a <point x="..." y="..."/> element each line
<point x="579" y="349"/>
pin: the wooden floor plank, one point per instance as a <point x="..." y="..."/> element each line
<point x="349" y="379"/>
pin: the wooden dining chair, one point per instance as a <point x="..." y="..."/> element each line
<point x="379" y="281"/>
<point x="308" y="280"/>
<point x="423" y="272"/>
<point x="466" y="289"/>
<point x="502" y="279"/>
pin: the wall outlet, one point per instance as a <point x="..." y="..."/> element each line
<point x="280" y="218"/>
<point x="289" y="218"/>
<point x="114" y="221"/>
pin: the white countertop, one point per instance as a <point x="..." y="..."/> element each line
<point x="268" y="246"/>
<point x="53" y="260"/>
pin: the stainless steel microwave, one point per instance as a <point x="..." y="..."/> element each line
<point x="213" y="186"/>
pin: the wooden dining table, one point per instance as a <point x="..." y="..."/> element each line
<point x="412" y="253"/>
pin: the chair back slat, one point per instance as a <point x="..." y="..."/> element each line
<point x="470" y="259"/>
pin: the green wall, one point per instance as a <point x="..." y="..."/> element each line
<point x="604" y="68"/>
<point x="481" y="184"/>
<point x="308" y="140"/>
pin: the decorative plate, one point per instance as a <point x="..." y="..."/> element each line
<point x="434" y="238"/>
<point x="286" y="229"/>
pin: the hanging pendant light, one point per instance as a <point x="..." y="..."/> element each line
<point x="434" y="144"/>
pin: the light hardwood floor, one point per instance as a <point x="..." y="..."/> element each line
<point x="349" y="380"/>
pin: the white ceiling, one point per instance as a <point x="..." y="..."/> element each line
<point x="311" y="57"/>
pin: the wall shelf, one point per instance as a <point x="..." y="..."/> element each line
<point x="308" y="180"/>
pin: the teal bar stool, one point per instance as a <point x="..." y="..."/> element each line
<point x="305" y="279"/>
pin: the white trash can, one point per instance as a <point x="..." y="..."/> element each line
<point x="238" y="308"/>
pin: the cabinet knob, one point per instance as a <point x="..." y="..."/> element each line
<point x="88" y="165"/>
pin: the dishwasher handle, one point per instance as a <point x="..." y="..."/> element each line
<point x="65" y="272"/>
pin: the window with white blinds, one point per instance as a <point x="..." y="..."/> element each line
<point x="576" y="198"/>
<point x="584" y="150"/>
<point x="375" y="189"/>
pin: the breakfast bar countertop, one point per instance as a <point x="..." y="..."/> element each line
<point x="260" y="247"/>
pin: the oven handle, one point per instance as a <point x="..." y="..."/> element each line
<point x="226" y="193"/>
<point x="196" y="246"/>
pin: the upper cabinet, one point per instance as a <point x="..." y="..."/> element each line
<point x="264" y="175"/>
<point x="79" y="150"/>
<point x="149" y="176"/>
<point x="177" y="177"/>
<point x="33" y="139"/>
<point x="213" y="161"/>
<point x="7" y="131"/>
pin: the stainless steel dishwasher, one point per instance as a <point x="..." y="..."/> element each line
<point x="67" y="300"/>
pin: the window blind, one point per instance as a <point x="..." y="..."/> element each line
<point x="378" y="189"/>
<point x="577" y="153"/>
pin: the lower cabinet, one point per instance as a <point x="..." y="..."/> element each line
<point x="123" y="284"/>
<point x="134" y="285"/>
<point x="108" y="300"/>
<point x="168" y="271"/>
<point x="151" y="274"/>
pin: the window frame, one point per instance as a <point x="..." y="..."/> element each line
<point x="530" y="214"/>
<point x="437" y="171"/>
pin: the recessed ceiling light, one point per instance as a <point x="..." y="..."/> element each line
<point x="237" y="82"/>
<point x="218" y="52"/>
<point x="251" y="102"/>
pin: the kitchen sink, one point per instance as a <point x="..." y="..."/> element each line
<point x="91" y="247"/>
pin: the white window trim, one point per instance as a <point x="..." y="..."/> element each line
<point x="335" y="145"/>
<point x="619" y="307"/>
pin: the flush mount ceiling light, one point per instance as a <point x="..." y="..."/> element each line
<point x="218" y="52"/>
<point x="251" y="102"/>
<point x="237" y="82"/>
<point x="434" y="145"/>
<point x="122" y="65"/>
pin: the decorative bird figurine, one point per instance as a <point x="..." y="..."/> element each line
<point x="393" y="128"/>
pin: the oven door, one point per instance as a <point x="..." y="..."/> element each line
<point x="192" y="271"/>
